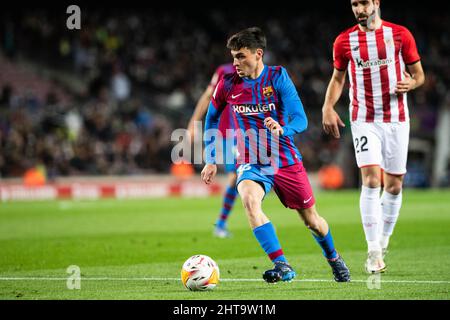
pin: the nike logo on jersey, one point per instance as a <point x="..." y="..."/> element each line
<point x="235" y="96"/>
<point x="306" y="201"/>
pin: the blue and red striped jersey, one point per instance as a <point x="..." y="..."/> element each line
<point x="250" y="101"/>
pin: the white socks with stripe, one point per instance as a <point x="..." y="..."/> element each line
<point x="391" y="205"/>
<point x="370" y="206"/>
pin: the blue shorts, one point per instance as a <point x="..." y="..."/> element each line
<point x="256" y="173"/>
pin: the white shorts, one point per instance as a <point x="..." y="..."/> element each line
<point x="382" y="144"/>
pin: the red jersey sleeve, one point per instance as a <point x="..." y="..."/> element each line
<point x="218" y="98"/>
<point x="409" y="49"/>
<point x="340" y="61"/>
<point x="218" y="74"/>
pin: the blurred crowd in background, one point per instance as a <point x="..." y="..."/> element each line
<point x="105" y="99"/>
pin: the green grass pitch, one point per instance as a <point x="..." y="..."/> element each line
<point x="134" y="249"/>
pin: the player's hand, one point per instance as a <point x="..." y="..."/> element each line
<point x="208" y="173"/>
<point x="331" y="122"/>
<point x="406" y="84"/>
<point x="273" y="126"/>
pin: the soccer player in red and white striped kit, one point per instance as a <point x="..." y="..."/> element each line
<point x="383" y="64"/>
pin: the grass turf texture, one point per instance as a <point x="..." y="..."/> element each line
<point x="134" y="249"/>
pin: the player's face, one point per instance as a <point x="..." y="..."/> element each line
<point x="363" y="9"/>
<point x="245" y="61"/>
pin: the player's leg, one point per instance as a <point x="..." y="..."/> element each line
<point x="391" y="200"/>
<point x="294" y="190"/>
<point x="371" y="212"/>
<point x="322" y="234"/>
<point x="367" y="143"/>
<point x="395" y="159"/>
<point x="370" y="205"/>
<point x="229" y="197"/>
<point x="252" y="187"/>
<point x="320" y="230"/>
<point x="252" y="194"/>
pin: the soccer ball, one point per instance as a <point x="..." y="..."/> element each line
<point x="200" y="273"/>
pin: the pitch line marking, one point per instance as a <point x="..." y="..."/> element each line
<point x="221" y="280"/>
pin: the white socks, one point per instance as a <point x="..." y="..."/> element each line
<point x="391" y="205"/>
<point x="378" y="216"/>
<point x="370" y="206"/>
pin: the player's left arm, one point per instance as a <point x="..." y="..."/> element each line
<point x="293" y="105"/>
<point x="415" y="76"/>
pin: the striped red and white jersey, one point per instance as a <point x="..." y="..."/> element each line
<point x="375" y="62"/>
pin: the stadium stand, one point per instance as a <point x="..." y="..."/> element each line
<point x="104" y="100"/>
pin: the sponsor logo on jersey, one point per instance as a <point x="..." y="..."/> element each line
<point x="372" y="63"/>
<point x="249" y="109"/>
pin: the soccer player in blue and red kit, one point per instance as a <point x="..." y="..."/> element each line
<point x="265" y="104"/>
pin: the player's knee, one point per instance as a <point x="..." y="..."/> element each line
<point x="393" y="189"/>
<point x="372" y="181"/>
<point x="251" y="203"/>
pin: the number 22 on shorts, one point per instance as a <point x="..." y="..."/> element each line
<point x="361" y="144"/>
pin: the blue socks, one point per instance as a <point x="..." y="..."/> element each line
<point x="227" y="206"/>
<point x="268" y="240"/>
<point x="327" y="245"/>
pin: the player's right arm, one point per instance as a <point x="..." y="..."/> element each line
<point x="215" y="108"/>
<point x="330" y="119"/>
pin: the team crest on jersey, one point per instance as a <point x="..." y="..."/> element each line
<point x="268" y="91"/>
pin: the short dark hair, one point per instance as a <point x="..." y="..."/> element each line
<point x="252" y="38"/>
